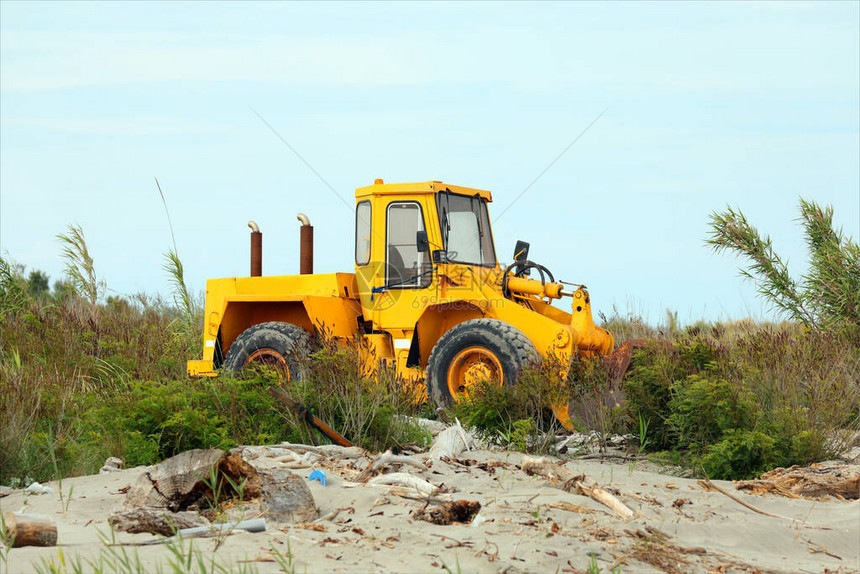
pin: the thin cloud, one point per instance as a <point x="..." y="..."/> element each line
<point x="115" y="126"/>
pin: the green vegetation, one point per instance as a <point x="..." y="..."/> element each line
<point x="364" y="408"/>
<point x="84" y="378"/>
<point x="727" y="400"/>
<point x="518" y="417"/>
<point x="735" y="405"/>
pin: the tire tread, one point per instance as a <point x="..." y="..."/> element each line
<point x="522" y="348"/>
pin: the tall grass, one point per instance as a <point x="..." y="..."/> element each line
<point x="55" y="365"/>
<point x="830" y="291"/>
<point x="13" y="294"/>
<point x="79" y="266"/>
<point x="181" y="296"/>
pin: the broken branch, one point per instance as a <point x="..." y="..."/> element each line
<point x="564" y="479"/>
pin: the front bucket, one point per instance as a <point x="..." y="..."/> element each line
<point x="562" y="415"/>
<point x="589" y="411"/>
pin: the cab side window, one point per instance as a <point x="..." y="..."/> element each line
<point x="405" y="266"/>
<point x="362" y="233"/>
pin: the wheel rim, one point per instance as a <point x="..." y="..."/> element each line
<point x="269" y="358"/>
<point x="469" y="368"/>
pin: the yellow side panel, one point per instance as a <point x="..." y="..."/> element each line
<point x="233" y="304"/>
<point x="288" y="287"/>
<point x="332" y="316"/>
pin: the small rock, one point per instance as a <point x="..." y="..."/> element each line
<point x="112" y="464"/>
<point x="36" y="488"/>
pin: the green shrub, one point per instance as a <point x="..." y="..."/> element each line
<point x="154" y="420"/>
<point x="137" y="449"/>
<point x="654" y="375"/>
<point x="741" y="453"/>
<point x="702" y="409"/>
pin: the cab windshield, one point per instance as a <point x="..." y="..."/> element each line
<point x="465" y="226"/>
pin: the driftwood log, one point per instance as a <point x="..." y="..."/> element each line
<point x="155" y="521"/>
<point x="410" y="481"/>
<point x="451" y="442"/>
<point x="175" y="484"/>
<point x="164" y="498"/>
<point x="30" y="529"/>
<point x="816" y="482"/>
<point x="386" y="459"/>
<point x="566" y="480"/>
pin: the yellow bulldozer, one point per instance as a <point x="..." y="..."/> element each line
<point x="428" y="297"/>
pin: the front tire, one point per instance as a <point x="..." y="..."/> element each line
<point x="472" y="352"/>
<point x="272" y="344"/>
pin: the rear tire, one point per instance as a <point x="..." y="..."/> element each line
<point x="274" y="343"/>
<point x="475" y="350"/>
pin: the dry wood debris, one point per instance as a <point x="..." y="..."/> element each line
<point x="566" y="480"/>
<point x="29" y="529"/>
<point x="816" y="482"/>
<point x="458" y="511"/>
<point x="386" y="459"/>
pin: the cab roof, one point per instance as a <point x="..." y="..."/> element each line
<point x="380" y="188"/>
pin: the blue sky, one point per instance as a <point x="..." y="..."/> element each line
<point x="706" y="104"/>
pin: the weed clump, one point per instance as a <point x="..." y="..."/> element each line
<point x="368" y="406"/>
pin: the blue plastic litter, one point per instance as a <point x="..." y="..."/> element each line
<point x="318" y="475"/>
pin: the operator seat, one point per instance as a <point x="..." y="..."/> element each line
<point x="395" y="271"/>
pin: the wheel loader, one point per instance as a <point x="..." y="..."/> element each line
<point x="429" y="297"/>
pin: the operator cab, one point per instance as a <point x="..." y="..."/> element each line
<point x="403" y="230"/>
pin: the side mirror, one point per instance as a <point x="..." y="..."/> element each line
<point x="422" y="243"/>
<point x="521" y="255"/>
<point x="440" y="256"/>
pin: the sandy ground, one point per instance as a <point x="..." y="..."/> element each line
<point x="679" y="527"/>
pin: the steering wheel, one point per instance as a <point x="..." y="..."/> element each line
<point x="521" y="271"/>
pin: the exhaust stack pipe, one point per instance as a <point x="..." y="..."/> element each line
<point x="306" y="241"/>
<point x="256" y="250"/>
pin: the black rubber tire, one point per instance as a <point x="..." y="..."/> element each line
<point x="289" y="341"/>
<point x="513" y="349"/>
